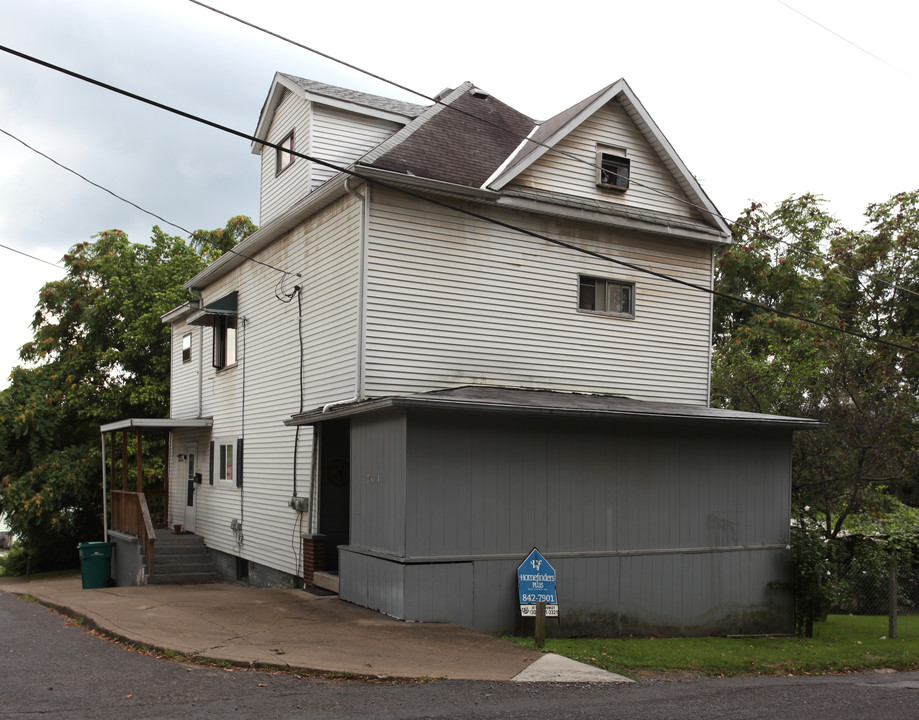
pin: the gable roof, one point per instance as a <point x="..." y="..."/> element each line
<point x="554" y="130"/>
<point x="333" y="96"/>
<point x="464" y="142"/>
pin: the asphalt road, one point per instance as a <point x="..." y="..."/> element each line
<point x="51" y="666"/>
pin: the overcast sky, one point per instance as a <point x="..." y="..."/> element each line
<point x="759" y="101"/>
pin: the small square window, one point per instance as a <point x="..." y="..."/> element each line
<point x="610" y="297"/>
<point x="613" y="169"/>
<point x="186" y="348"/>
<point x="284" y="154"/>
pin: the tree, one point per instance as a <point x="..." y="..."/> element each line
<point x="800" y="260"/>
<point x="99" y="352"/>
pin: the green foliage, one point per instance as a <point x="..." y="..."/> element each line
<point x="99" y="353"/>
<point x="841" y="643"/>
<point x="800" y="260"/>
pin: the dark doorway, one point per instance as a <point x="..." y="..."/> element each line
<point x="334" y="487"/>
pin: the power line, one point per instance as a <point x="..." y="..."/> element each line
<point x="454" y="208"/>
<point x="94" y="184"/>
<point x="33" y="257"/>
<point x="517" y="135"/>
<point x="125" y="200"/>
<point x="845" y="39"/>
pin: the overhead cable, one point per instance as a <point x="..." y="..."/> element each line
<point x="551" y="148"/>
<point x="455" y="208"/>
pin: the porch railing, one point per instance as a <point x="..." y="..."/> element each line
<point x="130" y="515"/>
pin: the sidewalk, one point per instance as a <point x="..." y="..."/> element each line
<point x="295" y="629"/>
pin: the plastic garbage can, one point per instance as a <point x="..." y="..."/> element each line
<point x="96" y="564"/>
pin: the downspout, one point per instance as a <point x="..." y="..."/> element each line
<point x="361" y="337"/>
<point x="361" y="299"/>
<point x="711" y="325"/>
<point x="200" y="363"/>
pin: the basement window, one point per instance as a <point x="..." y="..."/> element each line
<point x="284" y="154"/>
<point x="609" y="297"/>
<point x="612" y="169"/>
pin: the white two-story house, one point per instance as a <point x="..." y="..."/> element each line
<point x="459" y="334"/>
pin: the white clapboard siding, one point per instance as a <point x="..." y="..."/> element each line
<point x="341" y="137"/>
<point x="183" y="393"/>
<point x="280" y="191"/>
<point x="325" y="252"/>
<point x="455" y="301"/>
<point x="572" y="170"/>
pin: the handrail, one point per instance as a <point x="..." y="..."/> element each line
<point x="131" y="515"/>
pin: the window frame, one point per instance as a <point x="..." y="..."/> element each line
<point x="618" y="157"/>
<point x="284" y="157"/>
<point x="186" y="348"/>
<point x="226" y="454"/>
<point x="607" y="284"/>
<point x="226" y="336"/>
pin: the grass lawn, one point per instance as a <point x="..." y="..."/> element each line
<point x="843" y="643"/>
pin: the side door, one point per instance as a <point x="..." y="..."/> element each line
<point x="191" y="487"/>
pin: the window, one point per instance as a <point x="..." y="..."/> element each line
<point x="186" y="348"/>
<point x="224" y="341"/>
<point x="284" y="157"/>
<point x="612" y="169"/>
<point x="610" y="297"/>
<point x="226" y="464"/>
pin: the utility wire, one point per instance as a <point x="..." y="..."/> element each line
<point x="94" y="184"/>
<point x="111" y="192"/>
<point x="517" y="135"/>
<point x="845" y="39"/>
<point x="455" y="208"/>
<point x="12" y="249"/>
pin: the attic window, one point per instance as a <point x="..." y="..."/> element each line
<point x="609" y="297"/>
<point x="283" y="157"/>
<point x="612" y="169"/>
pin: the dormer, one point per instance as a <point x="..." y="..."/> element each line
<point x="323" y="121"/>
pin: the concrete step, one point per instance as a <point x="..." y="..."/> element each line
<point x="181" y="558"/>
<point x="326" y="581"/>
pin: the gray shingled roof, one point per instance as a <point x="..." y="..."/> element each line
<point x="358" y="98"/>
<point x="548" y="402"/>
<point x="551" y="126"/>
<point x="463" y="145"/>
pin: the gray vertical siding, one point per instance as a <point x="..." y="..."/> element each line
<point x="652" y="527"/>
<point x="378" y="482"/>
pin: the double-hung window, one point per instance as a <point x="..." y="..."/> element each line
<point x="226" y="465"/>
<point x="284" y="157"/>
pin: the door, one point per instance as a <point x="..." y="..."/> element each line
<point x="334" y="487"/>
<point x="191" y="465"/>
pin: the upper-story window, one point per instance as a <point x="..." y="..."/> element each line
<point x="284" y="154"/>
<point x="186" y="348"/>
<point x="224" y="341"/>
<point x="610" y="297"/>
<point x="613" y="167"/>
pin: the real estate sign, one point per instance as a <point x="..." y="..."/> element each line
<point x="536" y="583"/>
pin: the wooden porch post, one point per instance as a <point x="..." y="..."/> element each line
<point x="140" y="471"/>
<point x="112" y="473"/>
<point x="124" y="460"/>
<point x="166" y="479"/>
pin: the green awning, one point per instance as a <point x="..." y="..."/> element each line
<point x="224" y="307"/>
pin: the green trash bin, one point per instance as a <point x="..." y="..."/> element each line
<point x="96" y="564"/>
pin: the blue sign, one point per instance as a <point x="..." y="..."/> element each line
<point x="536" y="583"/>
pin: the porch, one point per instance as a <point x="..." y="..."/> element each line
<point x="135" y="511"/>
